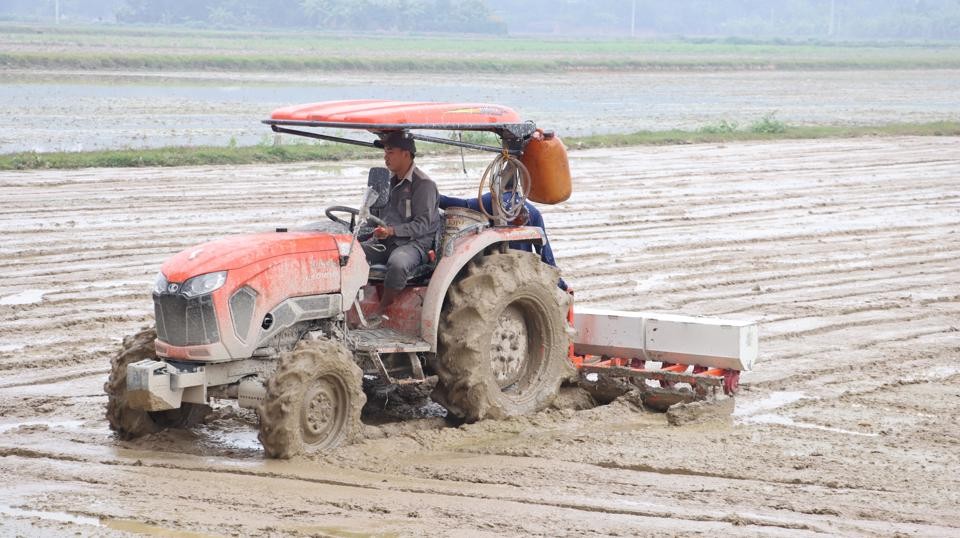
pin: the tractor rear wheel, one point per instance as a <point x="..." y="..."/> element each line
<point x="313" y="401"/>
<point x="128" y="422"/>
<point x="503" y="338"/>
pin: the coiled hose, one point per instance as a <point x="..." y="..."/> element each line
<point x="508" y="181"/>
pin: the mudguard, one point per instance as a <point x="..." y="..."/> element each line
<point x="450" y="265"/>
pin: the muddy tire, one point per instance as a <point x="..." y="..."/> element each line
<point x="503" y="339"/>
<point x="313" y="401"/>
<point x="130" y="423"/>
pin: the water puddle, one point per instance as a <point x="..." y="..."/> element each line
<point x="941" y="373"/>
<point x="62" y="517"/>
<point x="25" y="297"/>
<point x="135" y="527"/>
<point x="780" y="420"/>
<point x="337" y="532"/>
<point x="69" y="425"/>
<point x="649" y="284"/>
<point x="237" y="439"/>
<point x="773" y="401"/>
<point x="758" y="413"/>
<point x="113" y="284"/>
<point x="123" y="525"/>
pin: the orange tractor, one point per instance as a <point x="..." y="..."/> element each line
<point x="278" y="321"/>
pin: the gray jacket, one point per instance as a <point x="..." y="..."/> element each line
<point x="412" y="210"/>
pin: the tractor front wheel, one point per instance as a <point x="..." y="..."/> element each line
<point x="313" y="401"/>
<point x="503" y="338"/>
<point x="128" y="422"/>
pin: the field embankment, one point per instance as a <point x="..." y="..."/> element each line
<point x="148" y="48"/>
<point x="765" y="129"/>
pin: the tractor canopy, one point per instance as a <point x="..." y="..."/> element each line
<point x="364" y="113"/>
<point x="380" y="116"/>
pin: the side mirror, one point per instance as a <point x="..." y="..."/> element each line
<point x="379" y="180"/>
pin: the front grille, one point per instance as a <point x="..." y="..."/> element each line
<point x="183" y="321"/>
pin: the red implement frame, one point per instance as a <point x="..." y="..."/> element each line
<point x="700" y="378"/>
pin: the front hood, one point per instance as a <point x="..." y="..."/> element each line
<point x="242" y="250"/>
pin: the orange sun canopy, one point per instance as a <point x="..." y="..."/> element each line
<point x="377" y="111"/>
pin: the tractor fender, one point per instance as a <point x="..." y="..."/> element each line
<point x="450" y="265"/>
<point x="354" y="274"/>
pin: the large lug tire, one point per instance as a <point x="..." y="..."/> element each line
<point x="130" y="423"/>
<point x="503" y="338"/>
<point x="313" y="401"/>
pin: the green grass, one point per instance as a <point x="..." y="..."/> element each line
<point x="313" y="41"/>
<point x="760" y="131"/>
<point x="466" y="64"/>
<point x="159" y="48"/>
<point x="721" y="127"/>
<point x="768" y="128"/>
<point x="183" y="156"/>
<point x="768" y="125"/>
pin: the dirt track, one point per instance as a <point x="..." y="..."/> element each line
<point x="846" y="251"/>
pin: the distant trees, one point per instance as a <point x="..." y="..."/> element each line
<point x="470" y="16"/>
<point x="46" y="10"/>
<point x="852" y="19"/>
<point x="764" y="19"/>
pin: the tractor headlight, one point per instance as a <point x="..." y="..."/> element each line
<point x="203" y="284"/>
<point x="160" y="286"/>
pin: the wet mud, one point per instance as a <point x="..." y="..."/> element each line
<point x="846" y="252"/>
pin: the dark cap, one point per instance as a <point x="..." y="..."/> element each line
<point x="398" y="139"/>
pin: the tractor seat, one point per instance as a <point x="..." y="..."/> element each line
<point x="420" y="273"/>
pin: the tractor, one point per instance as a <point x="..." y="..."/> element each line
<point x="278" y="321"/>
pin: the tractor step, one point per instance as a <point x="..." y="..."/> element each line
<point x="384" y="340"/>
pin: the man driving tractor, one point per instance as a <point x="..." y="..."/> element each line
<point x="411" y="215"/>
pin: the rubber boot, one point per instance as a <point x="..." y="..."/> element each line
<point x="377" y="317"/>
<point x="389" y="294"/>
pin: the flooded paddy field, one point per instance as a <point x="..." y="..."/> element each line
<point x="78" y="111"/>
<point x="845" y="251"/>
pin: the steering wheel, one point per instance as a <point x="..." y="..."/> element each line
<point x="330" y="212"/>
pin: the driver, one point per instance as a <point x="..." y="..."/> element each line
<point x="411" y="215"/>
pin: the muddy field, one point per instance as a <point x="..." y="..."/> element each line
<point x="846" y="251"/>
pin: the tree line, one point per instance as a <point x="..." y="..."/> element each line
<point x="830" y="19"/>
<point x="833" y="19"/>
<point x="468" y="16"/>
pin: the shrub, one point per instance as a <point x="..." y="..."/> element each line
<point x="768" y="125"/>
<point x="719" y="128"/>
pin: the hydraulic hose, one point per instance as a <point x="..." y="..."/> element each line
<point x="508" y="181"/>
